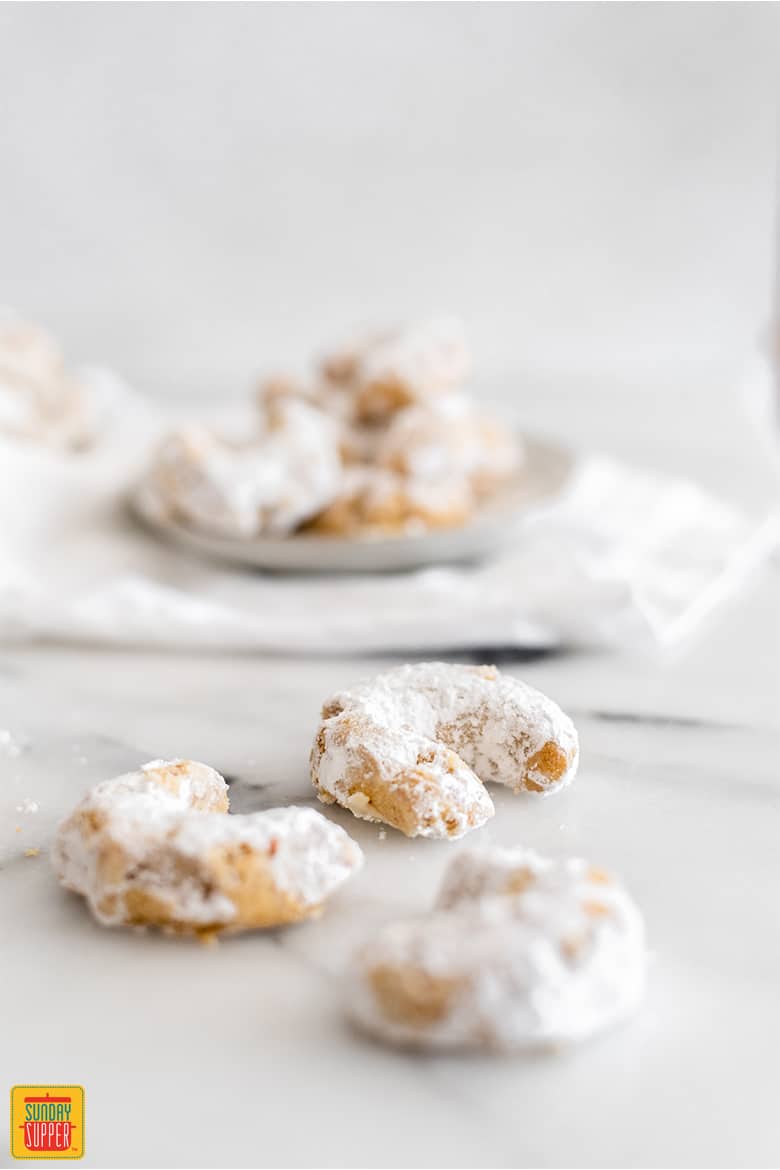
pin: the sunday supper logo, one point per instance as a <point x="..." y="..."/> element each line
<point x="47" y="1121"/>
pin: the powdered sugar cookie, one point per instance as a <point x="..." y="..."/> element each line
<point x="413" y="746"/>
<point x="340" y="366"/>
<point x="475" y="874"/>
<point x="40" y="399"/>
<point x="523" y="952"/>
<point x="376" y="501"/>
<point x="269" y="482"/>
<point x="449" y="438"/>
<point x="357" y="440"/>
<point x="392" y="369"/>
<point x="155" y="848"/>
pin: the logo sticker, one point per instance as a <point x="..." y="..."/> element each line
<point x="47" y="1121"/>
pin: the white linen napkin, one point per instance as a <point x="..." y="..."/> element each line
<point x="622" y="557"/>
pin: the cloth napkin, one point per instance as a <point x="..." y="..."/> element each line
<point x="621" y="557"/>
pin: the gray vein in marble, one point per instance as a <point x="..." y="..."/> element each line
<point x="657" y="720"/>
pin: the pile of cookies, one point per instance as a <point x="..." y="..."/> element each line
<point x="381" y="439"/>
<point x="520" y="951"/>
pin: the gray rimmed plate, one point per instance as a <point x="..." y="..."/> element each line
<point x="544" y="473"/>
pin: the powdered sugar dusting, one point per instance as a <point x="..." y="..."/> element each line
<point x="460" y="725"/>
<point x="270" y="482"/>
<point x="308" y="855"/>
<point x="429" y="357"/>
<point x="449" y="438"/>
<point x="40" y="400"/>
<point x="520" y="952"/>
<point x="162" y="825"/>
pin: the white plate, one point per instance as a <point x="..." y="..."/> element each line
<point x="543" y="474"/>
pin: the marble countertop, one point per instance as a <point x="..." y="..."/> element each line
<point x="239" y="1054"/>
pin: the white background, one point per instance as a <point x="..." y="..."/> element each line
<point x="195" y="192"/>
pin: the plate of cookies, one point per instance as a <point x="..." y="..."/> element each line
<point x="380" y="460"/>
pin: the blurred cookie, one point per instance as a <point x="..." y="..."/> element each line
<point x="272" y="481"/>
<point x="522" y="952"/>
<point x="376" y="501"/>
<point x="449" y="438"/>
<point x="40" y="400"/>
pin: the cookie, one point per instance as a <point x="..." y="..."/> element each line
<point x="155" y="848"/>
<point x="270" y="482"/>
<point x="413" y="747"/>
<point x="450" y="439"/>
<point x="389" y="370"/>
<point x="40" y="400"/>
<point x="521" y="952"/>
<point x="376" y="502"/>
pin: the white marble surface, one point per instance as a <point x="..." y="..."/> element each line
<point x="239" y="1055"/>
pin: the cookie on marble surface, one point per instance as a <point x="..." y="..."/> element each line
<point x="155" y="848"/>
<point x="521" y="952"/>
<point x="413" y="747"/>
